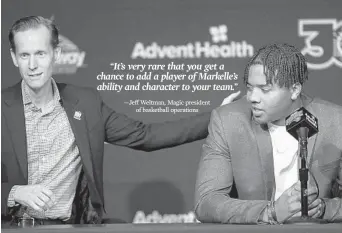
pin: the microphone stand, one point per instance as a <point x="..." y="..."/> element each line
<point x="303" y="177"/>
<point x="303" y="172"/>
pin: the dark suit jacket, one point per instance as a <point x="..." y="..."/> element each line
<point x="98" y="124"/>
<point x="239" y="150"/>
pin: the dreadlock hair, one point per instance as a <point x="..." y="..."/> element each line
<point x="283" y="64"/>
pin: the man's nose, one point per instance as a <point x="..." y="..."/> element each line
<point x="253" y="96"/>
<point x="32" y="63"/>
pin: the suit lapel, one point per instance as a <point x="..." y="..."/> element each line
<point x="16" y="125"/>
<point x="77" y="120"/>
<point x="265" y="152"/>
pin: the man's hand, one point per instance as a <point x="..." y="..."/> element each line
<point x="289" y="203"/>
<point x="315" y="209"/>
<point x="37" y="197"/>
<point x="230" y="98"/>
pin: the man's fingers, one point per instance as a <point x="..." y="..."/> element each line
<point x="47" y="192"/>
<point x="50" y="203"/>
<point x="316" y="215"/>
<point x="297" y="214"/>
<point x="36" y="197"/>
<point x="315" y="203"/>
<point x="315" y="211"/>
<point x="44" y="197"/>
<point x="48" y="197"/>
<point x="233" y="96"/>
<point x="312" y="191"/>
<point x="293" y="194"/>
<point x="296" y="186"/>
<point x="311" y="199"/>
<point x="47" y="203"/>
<point x="230" y="98"/>
<point x="296" y="198"/>
<point x="39" y="202"/>
<point x="34" y="206"/>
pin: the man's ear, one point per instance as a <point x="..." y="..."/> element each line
<point x="296" y="89"/>
<point x="14" y="59"/>
<point x="57" y="53"/>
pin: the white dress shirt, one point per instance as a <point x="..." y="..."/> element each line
<point x="285" y="159"/>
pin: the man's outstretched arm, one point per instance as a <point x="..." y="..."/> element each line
<point x="124" y="131"/>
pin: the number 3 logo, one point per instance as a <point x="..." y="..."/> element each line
<point x="318" y="55"/>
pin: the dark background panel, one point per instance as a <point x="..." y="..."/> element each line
<point x="107" y="31"/>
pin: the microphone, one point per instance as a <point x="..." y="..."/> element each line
<point x="301" y="118"/>
<point x="301" y="124"/>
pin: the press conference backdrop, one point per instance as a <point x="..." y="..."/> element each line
<point x="159" y="186"/>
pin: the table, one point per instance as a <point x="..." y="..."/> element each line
<point x="179" y="228"/>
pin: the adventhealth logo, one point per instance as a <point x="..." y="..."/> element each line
<point x="219" y="33"/>
<point x="156" y="217"/>
<point x="197" y="49"/>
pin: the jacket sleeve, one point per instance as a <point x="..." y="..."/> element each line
<point x="328" y="175"/>
<point x="6" y="170"/>
<point x="333" y="209"/>
<point x="5" y="189"/>
<point x="124" y="131"/>
<point x="214" y="183"/>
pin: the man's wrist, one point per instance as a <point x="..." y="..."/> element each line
<point x="11" y="197"/>
<point x="272" y="216"/>
<point x="263" y="216"/>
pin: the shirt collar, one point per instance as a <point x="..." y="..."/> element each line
<point x="27" y="98"/>
<point x="272" y="127"/>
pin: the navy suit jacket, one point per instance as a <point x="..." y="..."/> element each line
<point x="97" y="124"/>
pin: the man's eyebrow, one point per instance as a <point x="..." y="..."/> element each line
<point x="261" y="85"/>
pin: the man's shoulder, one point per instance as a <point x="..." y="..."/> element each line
<point x="72" y="92"/>
<point x="11" y="92"/>
<point x="11" y="89"/>
<point x="77" y="90"/>
<point x="326" y="108"/>
<point x="329" y="115"/>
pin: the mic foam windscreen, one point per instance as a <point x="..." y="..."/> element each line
<point x="301" y="118"/>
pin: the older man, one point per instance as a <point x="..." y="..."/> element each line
<point x="53" y="135"/>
